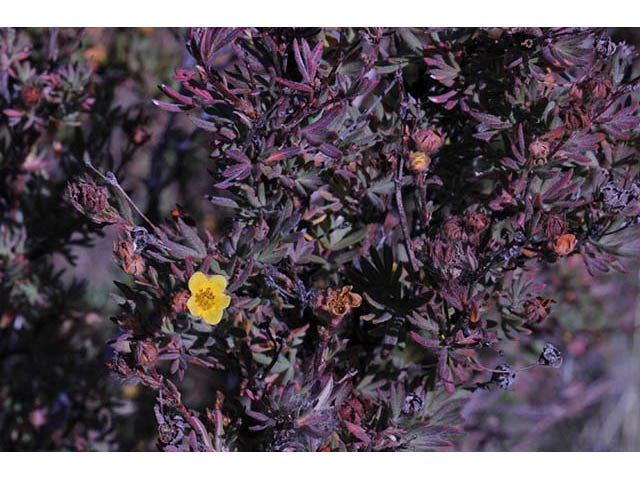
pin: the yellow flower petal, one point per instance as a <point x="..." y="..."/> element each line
<point x="224" y="301"/>
<point x="197" y="281"/>
<point x="218" y="282"/>
<point x="212" y="316"/>
<point x="193" y="307"/>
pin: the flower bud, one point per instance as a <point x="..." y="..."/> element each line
<point x="146" y="352"/>
<point x="554" y="226"/>
<point x="419" y="162"/>
<point x="565" y="244"/>
<point x="428" y="140"/>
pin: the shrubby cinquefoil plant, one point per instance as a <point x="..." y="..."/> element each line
<point x="384" y="199"/>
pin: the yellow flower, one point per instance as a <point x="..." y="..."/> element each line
<point x="419" y="161"/>
<point x="208" y="299"/>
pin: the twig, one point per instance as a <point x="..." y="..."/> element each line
<point x="398" y="184"/>
<point x="366" y="113"/>
<point x="174" y="395"/>
<point x="111" y="179"/>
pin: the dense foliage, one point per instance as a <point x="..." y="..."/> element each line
<point x="384" y="202"/>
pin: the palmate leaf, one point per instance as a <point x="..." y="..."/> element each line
<point x="379" y="280"/>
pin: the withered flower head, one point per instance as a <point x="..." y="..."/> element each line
<point x="31" y="95"/>
<point x="428" y="140"/>
<point x="539" y="149"/>
<point x="180" y="301"/>
<point x="146" y="352"/>
<point x="477" y="221"/>
<point x="132" y="262"/>
<point x="454" y="229"/>
<point x="537" y="309"/>
<point x="565" y="244"/>
<point x="92" y="201"/>
<point x="352" y="410"/>
<point x="340" y="302"/>
<point x="504" y="376"/>
<point x="600" y="86"/>
<point x="554" y="226"/>
<point x="575" y="91"/>
<point x="419" y="162"/>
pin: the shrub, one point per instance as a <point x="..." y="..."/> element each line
<point x="384" y="200"/>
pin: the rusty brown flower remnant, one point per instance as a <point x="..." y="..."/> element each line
<point x="146" y="352"/>
<point x="539" y="149"/>
<point x="454" y="229"/>
<point x="31" y="95"/>
<point x="132" y="262"/>
<point x="576" y="92"/>
<point x="180" y="301"/>
<point x="352" y="410"/>
<point x="428" y="140"/>
<point x="537" y="309"/>
<point x="340" y="302"/>
<point x="477" y="221"/>
<point x="141" y="135"/>
<point x="565" y="244"/>
<point x="91" y="200"/>
<point x="554" y="226"/>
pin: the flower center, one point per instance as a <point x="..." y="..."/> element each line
<point x="205" y="298"/>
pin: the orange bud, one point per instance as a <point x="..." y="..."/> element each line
<point x="565" y="244"/>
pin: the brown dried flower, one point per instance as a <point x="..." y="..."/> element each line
<point x="31" y="95"/>
<point x="146" y="352"/>
<point x="454" y="229"/>
<point x="477" y="221"/>
<point x="340" y="302"/>
<point x="576" y="92"/>
<point x="554" y="226"/>
<point x="92" y="201"/>
<point x="537" y="309"/>
<point x="565" y="244"/>
<point x="180" y="301"/>
<point x="539" y="149"/>
<point x="132" y="262"/>
<point x="428" y="140"/>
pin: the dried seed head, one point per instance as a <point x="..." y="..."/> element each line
<point x="550" y="356"/>
<point x="180" y="301"/>
<point x="91" y="200"/>
<point x="576" y="92"/>
<point x="146" y="352"/>
<point x="340" y="302"/>
<point x="537" y="309"/>
<point x="135" y="266"/>
<point x="428" y="140"/>
<point x="477" y="221"/>
<point x="504" y="376"/>
<point x="31" y="95"/>
<point x="454" y="229"/>
<point x="132" y="262"/>
<point x="554" y="226"/>
<point x="539" y="149"/>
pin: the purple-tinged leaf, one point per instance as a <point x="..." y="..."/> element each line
<point x="295" y="85"/>
<point x="443" y="98"/>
